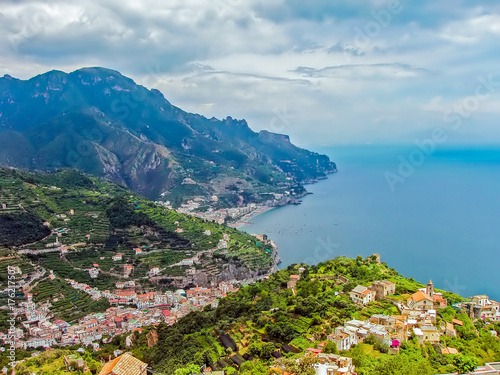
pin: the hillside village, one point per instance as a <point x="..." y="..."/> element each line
<point x="39" y="327"/>
<point x="67" y="272"/>
<point x="424" y="317"/>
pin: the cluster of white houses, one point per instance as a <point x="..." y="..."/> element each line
<point x="481" y="307"/>
<point x="424" y="299"/>
<point x="418" y="317"/>
<point x="388" y="329"/>
<point x="125" y="294"/>
<point x="363" y="295"/>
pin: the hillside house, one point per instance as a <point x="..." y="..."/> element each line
<point x="485" y="308"/>
<point x="155" y="271"/>
<point x="448" y="351"/>
<point x="420" y="301"/>
<point x="222" y="244"/>
<point x="450" y="330"/>
<point x="293" y="281"/>
<point x="383" y="288"/>
<point x="127" y="270"/>
<point x="427" y="334"/>
<point x="94" y="273"/>
<point x="362" y="295"/>
<point x="126" y="364"/>
<point x="125" y="284"/>
<point x="343" y="339"/>
<point x="334" y="364"/>
<point x="426" y="300"/>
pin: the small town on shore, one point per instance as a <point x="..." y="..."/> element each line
<point x="131" y="312"/>
<point x="235" y="217"/>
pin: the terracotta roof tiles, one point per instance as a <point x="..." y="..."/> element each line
<point x="125" y="364"/>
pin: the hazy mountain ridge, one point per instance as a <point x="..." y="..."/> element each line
<point x="101" y="122"/>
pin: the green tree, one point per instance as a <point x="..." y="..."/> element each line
<point x="188" y="370"/>
<point x="303" y="366"/>
<point x="267" y="350"/>
<point x="464" y="364"/>
<point x="330" y="348"/>
<point x="253" y="368"/>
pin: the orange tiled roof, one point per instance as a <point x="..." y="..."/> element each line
<point x="125" y="364"/>
<point x="420" y="296"/>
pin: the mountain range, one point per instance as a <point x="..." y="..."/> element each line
<point x="100" y="122"/>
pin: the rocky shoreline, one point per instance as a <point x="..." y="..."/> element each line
<point x="245" y="220"/>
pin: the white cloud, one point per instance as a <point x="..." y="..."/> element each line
<point x="255" y="59"/>
<point x="473" y="30"/>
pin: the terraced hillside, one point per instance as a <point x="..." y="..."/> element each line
<point x="67" y="303"/>
<point x="69" y="222"/>
<point x="24" y="272"/>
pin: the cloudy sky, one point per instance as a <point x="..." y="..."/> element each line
<point x="323" y="71"/>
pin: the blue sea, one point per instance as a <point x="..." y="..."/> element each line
<point x="437" y="217"/>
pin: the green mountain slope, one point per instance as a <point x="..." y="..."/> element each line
<point x="102" y="123"/>
<point x="67" y="221"/>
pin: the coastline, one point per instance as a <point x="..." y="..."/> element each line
<point x="245" y="219"/>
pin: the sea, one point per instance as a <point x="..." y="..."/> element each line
<point x="430" y="214"/>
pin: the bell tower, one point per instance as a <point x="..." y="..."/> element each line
<point x="430" y="289"/>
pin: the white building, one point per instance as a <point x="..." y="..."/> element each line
<point x="94" y="272"/>
<point x="362" y="295"/>
<point x="154" y="271"/>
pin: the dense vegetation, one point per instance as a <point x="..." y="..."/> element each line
<point x="52" y="363"/>
<point x="21" y="228"/>
<point x="123" y="215"/>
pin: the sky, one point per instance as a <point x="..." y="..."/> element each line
<point x="323" y="71"/>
